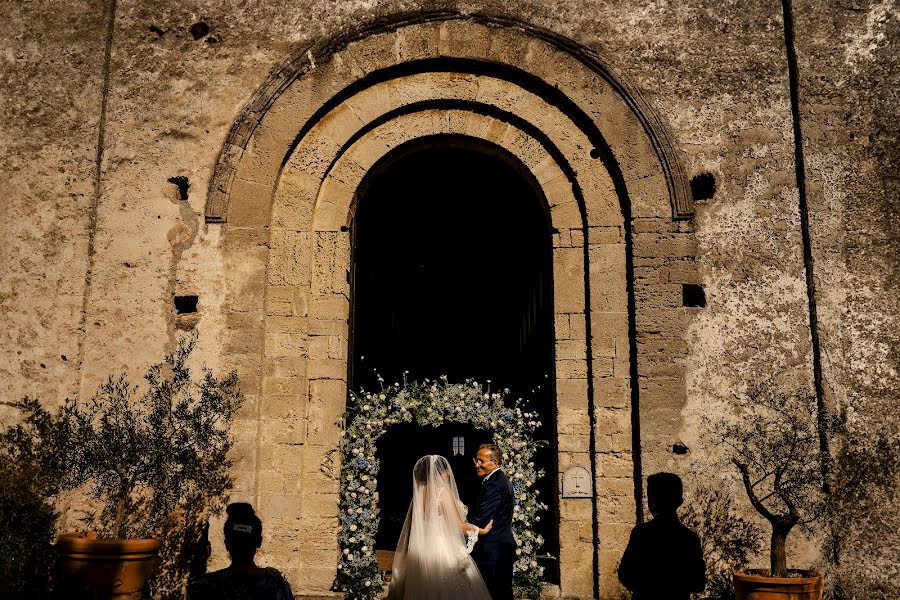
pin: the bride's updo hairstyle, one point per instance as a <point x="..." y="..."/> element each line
<point x="243" y="531"/>
<point x="432" y="461"/>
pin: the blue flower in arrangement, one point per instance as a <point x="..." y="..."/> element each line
<point x="362" y="463"/>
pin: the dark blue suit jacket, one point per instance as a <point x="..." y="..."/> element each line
<point x="495" y="501"/>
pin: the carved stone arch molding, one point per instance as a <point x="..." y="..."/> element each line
<point x="285" y="188"/>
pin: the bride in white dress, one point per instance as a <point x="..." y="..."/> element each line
<point x="432" y="561"/>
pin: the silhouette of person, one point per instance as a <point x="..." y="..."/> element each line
<point x="242" y="580"/>
<point x="663" y="560"/>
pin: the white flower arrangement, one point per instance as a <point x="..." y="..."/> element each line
<point x="431" y="403"/>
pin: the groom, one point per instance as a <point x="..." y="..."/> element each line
<point x="495" y="552"/>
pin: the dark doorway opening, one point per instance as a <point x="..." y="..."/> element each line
<point x="398" y="451"/>
<point x="452" y="275"/>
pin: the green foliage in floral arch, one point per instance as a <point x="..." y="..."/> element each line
<point x="432" y="403"/>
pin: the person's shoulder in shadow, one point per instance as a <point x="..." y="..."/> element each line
<point x="225" y="584"/>
<point x="243" y="579"/>
<point x="664" y="558"/>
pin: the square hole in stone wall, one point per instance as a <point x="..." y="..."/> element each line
<point x="693" y="296"/>
<point x="185" y="305"/>
<point x="703" y="187"/>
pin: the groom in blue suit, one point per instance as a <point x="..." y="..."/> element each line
<point x="495" y="552"/>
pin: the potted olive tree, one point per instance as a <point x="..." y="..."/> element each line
<point x="727" y="538"/>
<point x="153" y="462"/>
<point x="772" y="441"/>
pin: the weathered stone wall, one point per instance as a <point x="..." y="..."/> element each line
<point x="94" y="251"/>
<point x="52" y="82"/>
<point x="848" y="61"/>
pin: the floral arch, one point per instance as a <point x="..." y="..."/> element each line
<point x="431" y="403"/>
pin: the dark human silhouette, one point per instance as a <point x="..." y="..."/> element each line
<point x="242" y="580"/>
<point x="663" y="560"/>
<point x="495" y="552"/>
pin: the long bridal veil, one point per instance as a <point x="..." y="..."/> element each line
<point x="432" y="561"/>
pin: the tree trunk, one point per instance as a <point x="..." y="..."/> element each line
<point x="118" y="525"/>
<point x="778" y="557"/>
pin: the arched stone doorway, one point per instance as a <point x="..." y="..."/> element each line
<point x="451" y="275"/>
<point x="285" y="190"/>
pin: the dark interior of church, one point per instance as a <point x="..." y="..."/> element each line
<point x="452" y="276"/>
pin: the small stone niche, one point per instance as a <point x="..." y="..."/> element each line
<point x="186" y="305"/>
<point x="199" y="30"/>
<point x="182" y="183"/>
<point x="693" y="296"/>
<point x="703" y="187"/>
<point x="186" y="313"/>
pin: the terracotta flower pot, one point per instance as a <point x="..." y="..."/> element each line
<point x="105" y="569"/>
<point x="808" y="586"/>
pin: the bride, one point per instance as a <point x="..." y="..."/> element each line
<point x="432" y="561"/>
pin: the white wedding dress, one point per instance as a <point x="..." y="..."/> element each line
<point x="432" y="561"/>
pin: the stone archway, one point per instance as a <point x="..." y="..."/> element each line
<point x="285" y="188"/>
<point x="451" y="277"/>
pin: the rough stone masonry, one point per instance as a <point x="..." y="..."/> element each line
<point x="193" y="165"/>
